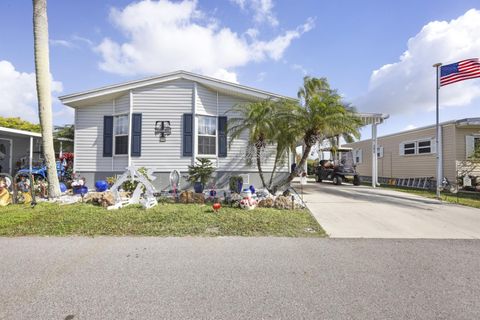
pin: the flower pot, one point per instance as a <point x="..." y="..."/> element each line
<point x="198" y="187"/>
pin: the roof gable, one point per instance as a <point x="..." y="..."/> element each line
<point x="76" y="99"/>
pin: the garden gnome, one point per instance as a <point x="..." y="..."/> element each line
<point x="5" y="198"/>
<point x="24" y="187"/>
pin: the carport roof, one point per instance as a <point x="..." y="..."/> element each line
<point x="17" y="132"/>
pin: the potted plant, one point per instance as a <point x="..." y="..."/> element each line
<point x="236" y="184"/>
<point x="200" y="173"/>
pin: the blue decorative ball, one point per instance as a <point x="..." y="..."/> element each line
<point x="101" y="185"/>
<point x="252" y="189"/>
<point x="63" y="187"/>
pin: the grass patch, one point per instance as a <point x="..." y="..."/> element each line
<point x="462" y="198"/>
<point x="48" y="219"/>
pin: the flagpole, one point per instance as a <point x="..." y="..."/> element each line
<point x="438" y="132"/>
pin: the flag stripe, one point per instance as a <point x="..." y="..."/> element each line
<point x="462" y="70"/>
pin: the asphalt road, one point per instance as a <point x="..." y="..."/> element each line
<point x="238" y="278"/>
<point x="349" y="211"/>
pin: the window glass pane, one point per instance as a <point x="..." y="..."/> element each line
<point x="207" y="125"/>
<point x="121" y="145"/>
<point x="207" y="145"/>
<point x="409" y="151"/>
<point x="121" y="124"/>
<point x="424" y="143"/>
<point x="409" y="145"/>
<point x="424" y="150"/>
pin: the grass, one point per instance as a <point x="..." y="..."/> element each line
<point x="49" y="219"/>
<point x="462" y="198"/>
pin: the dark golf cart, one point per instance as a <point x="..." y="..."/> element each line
<point x="340" y="168"/>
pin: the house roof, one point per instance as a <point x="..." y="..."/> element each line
<point x="17" y="132"/>
<point x="75" y="99"/>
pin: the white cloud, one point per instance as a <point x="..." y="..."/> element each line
<point x="19" y="93"/>
<point x="299" y="67"/>
<point x="409" y="84"/>
<point x="262" y="10"/>
<point x="163" y="36"/>
<point x="61" y="43"/>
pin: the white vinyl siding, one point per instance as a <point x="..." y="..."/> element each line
<point x="89" y="138"/>
<point x="163" y="102"/>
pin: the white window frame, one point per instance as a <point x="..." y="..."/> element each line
<point x="416" y="147"/>
<point x="120" y="135"/>
<point x="470" y="145"/>
<point x="202" y="155"/>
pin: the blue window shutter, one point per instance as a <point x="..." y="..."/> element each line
<point x="222" y="137"/>
<point x="107" y="136"/>
<point x="187" y="135"/>
<point x="136" y="135"/>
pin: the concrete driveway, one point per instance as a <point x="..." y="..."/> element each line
<point x="363" y="212"/>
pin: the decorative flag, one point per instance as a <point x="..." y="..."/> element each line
<point x="462" y="70"/>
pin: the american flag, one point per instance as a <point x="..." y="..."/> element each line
<point x="462" y="70"/>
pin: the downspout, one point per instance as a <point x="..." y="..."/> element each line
<point x="130" y="116"/>
<point x="194" y="123"/>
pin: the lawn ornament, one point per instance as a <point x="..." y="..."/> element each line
<point x="174" y="181"/>
<point x="24" y="187"/>
<point x="63" y="187"/>
<point x="144" y="186"/>
<point x="248" y="203"/>
<point x="101" y="185"/>
<point x="216" y="207"/>
<point x="79" y="187"/>
<point x="5" y="198"/>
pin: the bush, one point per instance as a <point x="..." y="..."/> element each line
<point x="234" y="182"/>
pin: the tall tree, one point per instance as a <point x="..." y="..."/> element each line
<point x="321" y="114"/>
<point x="258" y="120"/>
<point x="44" y="95"/>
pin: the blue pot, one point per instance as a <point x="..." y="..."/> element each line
<point x="101" y="185"/>
<point x="198" y="187"/>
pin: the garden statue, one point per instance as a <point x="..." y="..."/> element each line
<point x="5" y="198"/>
<point x="174" y="181"/>
<point x="24" y="187"/>
<point x="247" y="203"/>
<point x="144" y="185"/>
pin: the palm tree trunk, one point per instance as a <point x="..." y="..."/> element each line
<point x="298" y="168"/>
<point x="259" y="165"/>
<point x="277" y="158"/>
<point x="44" y="95"/>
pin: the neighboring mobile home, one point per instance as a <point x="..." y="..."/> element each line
<point x="121" y="125"/>
<point x="412" y="154"/>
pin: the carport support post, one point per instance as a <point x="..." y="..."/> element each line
<point x="374" y="155"/>
<point x="30" y="159"/>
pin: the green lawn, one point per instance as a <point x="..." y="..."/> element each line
<point x="466" y="199"/>
<point x="163" y="220"/>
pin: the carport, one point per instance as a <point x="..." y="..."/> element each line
<point x="374" y="119"/>
<point x="19" y="149"/>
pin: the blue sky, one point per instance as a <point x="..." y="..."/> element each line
<point x="262" y="43"/>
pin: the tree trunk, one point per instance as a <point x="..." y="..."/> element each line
<point x="44" y="95"/>
<point x="259" y="166"/>
<point x="298" y="168"/>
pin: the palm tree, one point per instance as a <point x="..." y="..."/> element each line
<point x="258" y="119"/>
<point x="320" y="115"/>
<point x="42" y="71"/>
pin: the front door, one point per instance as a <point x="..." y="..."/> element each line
<point x="5" y="156"/>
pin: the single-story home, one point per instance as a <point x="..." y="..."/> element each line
<point x="412" y="154"/>
<point x="163" y="123"/>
